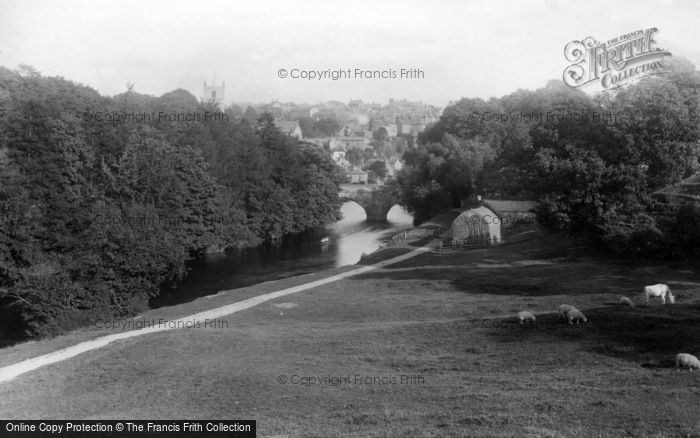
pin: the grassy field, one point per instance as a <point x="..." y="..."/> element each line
<point x="427" y="347"/>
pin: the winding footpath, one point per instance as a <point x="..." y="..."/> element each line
<point x="11" y="371"/>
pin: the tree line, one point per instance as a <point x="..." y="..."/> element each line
<point x="96" y="216"/>
<point x="593" y="163"/>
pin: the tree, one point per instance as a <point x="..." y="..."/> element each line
<point x="439" y="176"/>
<point x="96" y="217"/>
<point x="377" y="170"/>
<point x="656" y="126"/>
<point x="354" y="157"/>
<point x="582" y="195"/>
<point x="594" y="177"/>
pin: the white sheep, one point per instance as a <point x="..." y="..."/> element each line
<point x="626" y="302"/>
<point x="564" y="309"/>
<point x="575" y="315"/>
<point x="525" y="316"/>
<point x="687" y="360"/>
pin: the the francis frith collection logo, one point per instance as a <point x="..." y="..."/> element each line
<point x="603" y="66"/>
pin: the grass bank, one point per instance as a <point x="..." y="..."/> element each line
<point x="426" y="347"/>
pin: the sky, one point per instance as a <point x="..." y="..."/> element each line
<point x="463" y="48"/>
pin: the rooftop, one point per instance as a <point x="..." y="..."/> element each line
<point x="688" y="188"/>
<point x="506" y="206"/>
<point x="286" y="127"/>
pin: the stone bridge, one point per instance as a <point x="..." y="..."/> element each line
<point x="377" y="200"/>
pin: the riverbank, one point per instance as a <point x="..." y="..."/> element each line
<point x="296" y="255"/>
<point x="162" y="314"/>
<point x="402" y="243"/>
<point x="425" y="347"/>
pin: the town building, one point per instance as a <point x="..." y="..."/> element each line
<point x="357" y="176"/>
<point x="476" y="226"/>
<point x="352" y="136"/>
<point x="512" y="212"/>
<point x="291" y="129"/>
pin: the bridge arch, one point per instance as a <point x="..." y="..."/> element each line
<point x="398" y="214"/>
<point x="374" y="199"/>
<point x="374" y="212"/>
<point x="353" y="205"/>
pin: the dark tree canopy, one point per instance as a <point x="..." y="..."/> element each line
<point x="97" y="214"/>
<point x="592" y="163"/>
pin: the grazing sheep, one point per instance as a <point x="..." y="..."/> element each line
<point x="575" y="315"/>
<point x="525" y="316"/>
<point x="626" y="302"/>
<point x="687" y="360"/>
<point x="658" y="290"/>
<point x="564" y="309"/>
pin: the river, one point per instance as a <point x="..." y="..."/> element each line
<point x="347" y="240"/>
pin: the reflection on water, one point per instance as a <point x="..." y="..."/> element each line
<point x="347" y="240"/>
<point x="353" y="235"/>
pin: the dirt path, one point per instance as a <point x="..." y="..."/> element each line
<point x="11" y="371"/>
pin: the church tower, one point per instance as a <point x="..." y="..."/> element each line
<point x="214" y="93"/>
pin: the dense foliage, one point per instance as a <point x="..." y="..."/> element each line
<point x="441" y="174"/>
<point x="95" y="213"/>
<point x="592" y="163"/>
